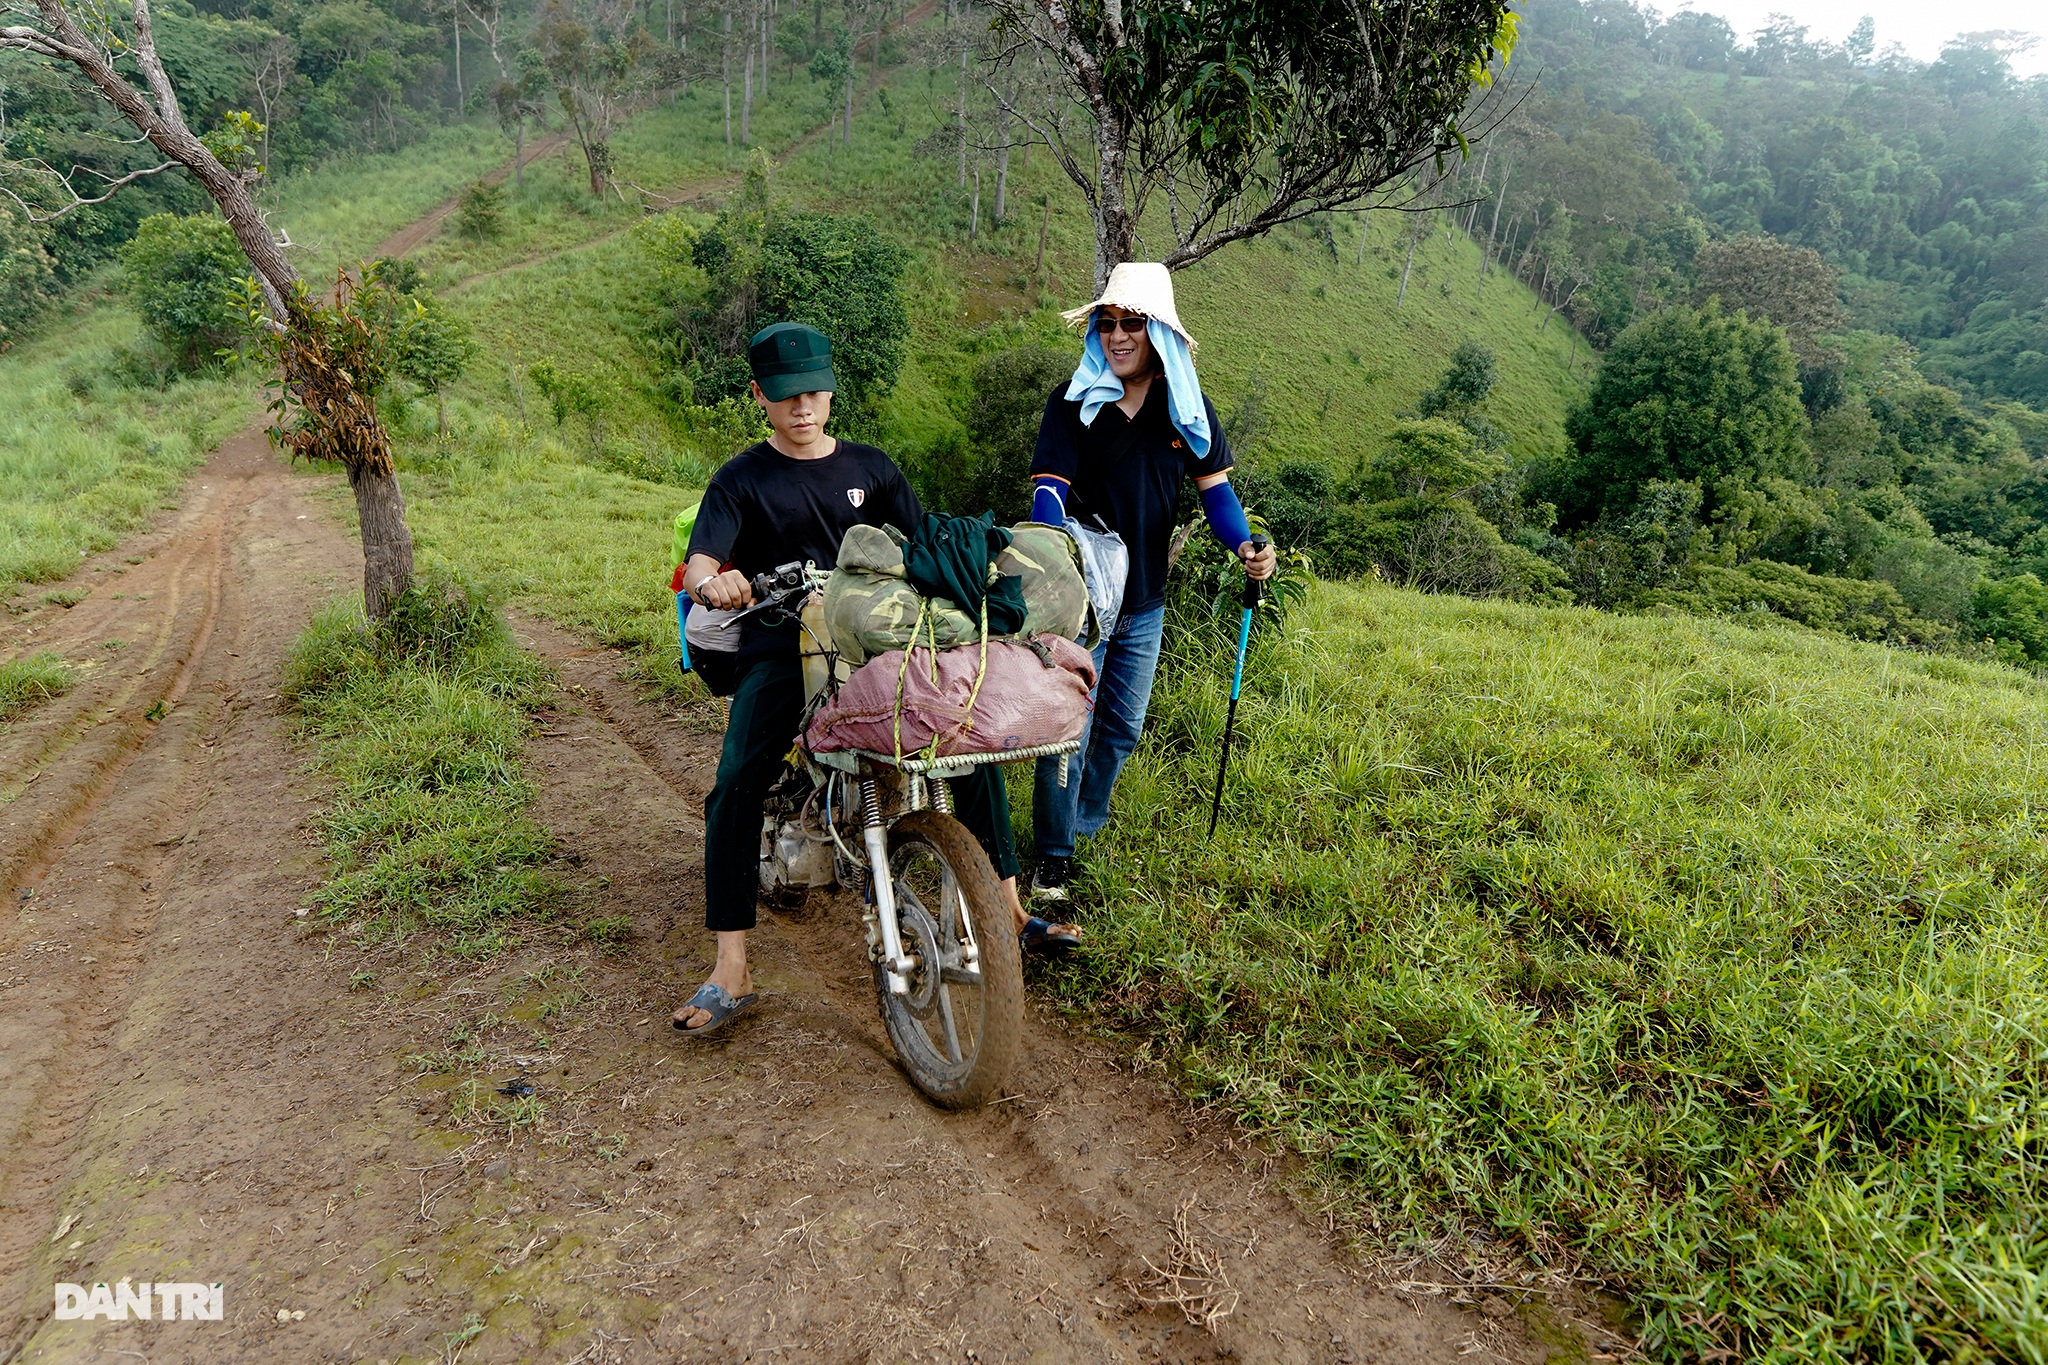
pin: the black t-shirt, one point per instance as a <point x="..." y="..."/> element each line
<point x="1128" y="471"/>
<point x="763" y="509"/>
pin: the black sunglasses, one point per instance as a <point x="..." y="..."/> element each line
<point x="1131" y="325"/>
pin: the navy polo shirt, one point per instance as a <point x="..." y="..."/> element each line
<point x="1128" y="472"/>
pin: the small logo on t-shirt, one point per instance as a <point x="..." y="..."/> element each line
<point x="856" y="496"/>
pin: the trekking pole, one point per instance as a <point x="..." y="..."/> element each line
<point x="1252" y="588"/>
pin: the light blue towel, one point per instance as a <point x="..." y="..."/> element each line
<point x="1095" y="384"/>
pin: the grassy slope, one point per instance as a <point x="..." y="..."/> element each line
<point x="1706" y="956"/>
<point x="88" y="450"/>
<point x="587" y="544"/>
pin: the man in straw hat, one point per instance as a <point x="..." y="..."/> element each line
<point x="1113" y="447"/>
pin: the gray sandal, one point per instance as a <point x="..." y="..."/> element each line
<point x="712" y="999"/>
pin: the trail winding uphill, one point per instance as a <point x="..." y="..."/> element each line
<point x="196" y="1086"/>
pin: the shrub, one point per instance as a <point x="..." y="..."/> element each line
<point x="184" y="277"/>
<point x="480" y="215"/>
<point x="765" y="264"/>
<point x="28" y="277"/>
<point x="1685" y="395"/>
<point x="991" y="470"/>
<point x="2013" y="612"/>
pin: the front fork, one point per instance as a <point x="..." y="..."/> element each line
<point x="896" y="964"/>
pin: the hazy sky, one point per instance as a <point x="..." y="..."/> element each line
<point x="1919" y="26"/>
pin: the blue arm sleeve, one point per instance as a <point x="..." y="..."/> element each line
<point x="1049" y="500"/>
<point x="1226" y="515"/>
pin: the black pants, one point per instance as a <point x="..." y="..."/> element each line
<point x="760" y="729"/>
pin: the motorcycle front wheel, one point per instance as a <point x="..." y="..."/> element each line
<point x="958" y="1027"/>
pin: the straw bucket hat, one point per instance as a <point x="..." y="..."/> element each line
<point x="1141" y="287"/>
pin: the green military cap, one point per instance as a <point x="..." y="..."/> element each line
<point x="789" y="358"/>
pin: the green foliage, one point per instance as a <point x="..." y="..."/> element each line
<point x="1713" y="971"/>
<point x="32" y="679"/>
<point x="1690" y="394"/>
<point x="430" y="345"/>
<point x="184" y="276"/>
<point x="27" y="275"/>
<point x="2013" y="613"/>
<point x="990" y="469"/>
<point x="420" y="723"/>
<point x="481" y="214"/>
<point x="836" y="273"/>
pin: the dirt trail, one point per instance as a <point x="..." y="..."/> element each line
<point x="197" y="1086"/>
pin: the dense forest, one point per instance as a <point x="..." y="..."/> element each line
<point x="1817" y="278"/>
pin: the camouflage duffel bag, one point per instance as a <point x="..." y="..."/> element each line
<point x="871" y="607"/>
<point x="1055" y="595"/>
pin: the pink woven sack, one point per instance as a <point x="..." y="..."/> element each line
<point x="1031" y="694"/>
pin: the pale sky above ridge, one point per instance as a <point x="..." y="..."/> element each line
<point x="1921" y="27"/>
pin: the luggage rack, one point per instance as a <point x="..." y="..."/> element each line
<point x="850" y="761"/>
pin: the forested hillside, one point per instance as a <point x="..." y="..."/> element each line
<point x="1865" y="452"/>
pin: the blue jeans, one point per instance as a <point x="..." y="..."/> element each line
<point x="1124" y="668"/>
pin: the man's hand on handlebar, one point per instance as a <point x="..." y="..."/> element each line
<point x="728" y="591"/>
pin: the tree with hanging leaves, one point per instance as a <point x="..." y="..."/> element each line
<point x="1244" y="114"/>
<point x="327" y="407"/>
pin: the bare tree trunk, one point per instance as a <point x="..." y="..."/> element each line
<point x="974" y="210"/>
<point x="960" y="118"/>
<point x="1364" y="232"/>
<point x="1044" y="226"/>
<point x="725" y="68"/>
<point x="846" y="123"/>
<point x="1499" y="196"/>
<point x="519" y="154"/>
<point x="1473" y="216"/>
<point x="1414" y="236"/>
<point x="747" y="99"/>
<point x="387" y="541"/>
<point x="455" y="13"/>
<point x="1002" y="203"/>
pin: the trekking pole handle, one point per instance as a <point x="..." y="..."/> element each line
<point x="1253" y="588"/>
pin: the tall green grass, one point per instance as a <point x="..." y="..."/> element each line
<point x="31" y="680"/>
<point x="1705" y="957"/>
<point x="90" y="446"/>
<point x="419" y="722"/>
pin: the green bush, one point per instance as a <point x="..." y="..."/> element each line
<point x="184" y="276"/>
<point x="991" y="469"/>
<point x="28" y="277"/>
<point x="1685" y="395"/>
<point x="763" y="264"/>
<point x="2013" y="612"/>
<point x="480" y="215"/>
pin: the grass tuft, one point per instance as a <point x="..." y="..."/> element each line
<point x="420" y="722"/>
<point x="29" y="681"/>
